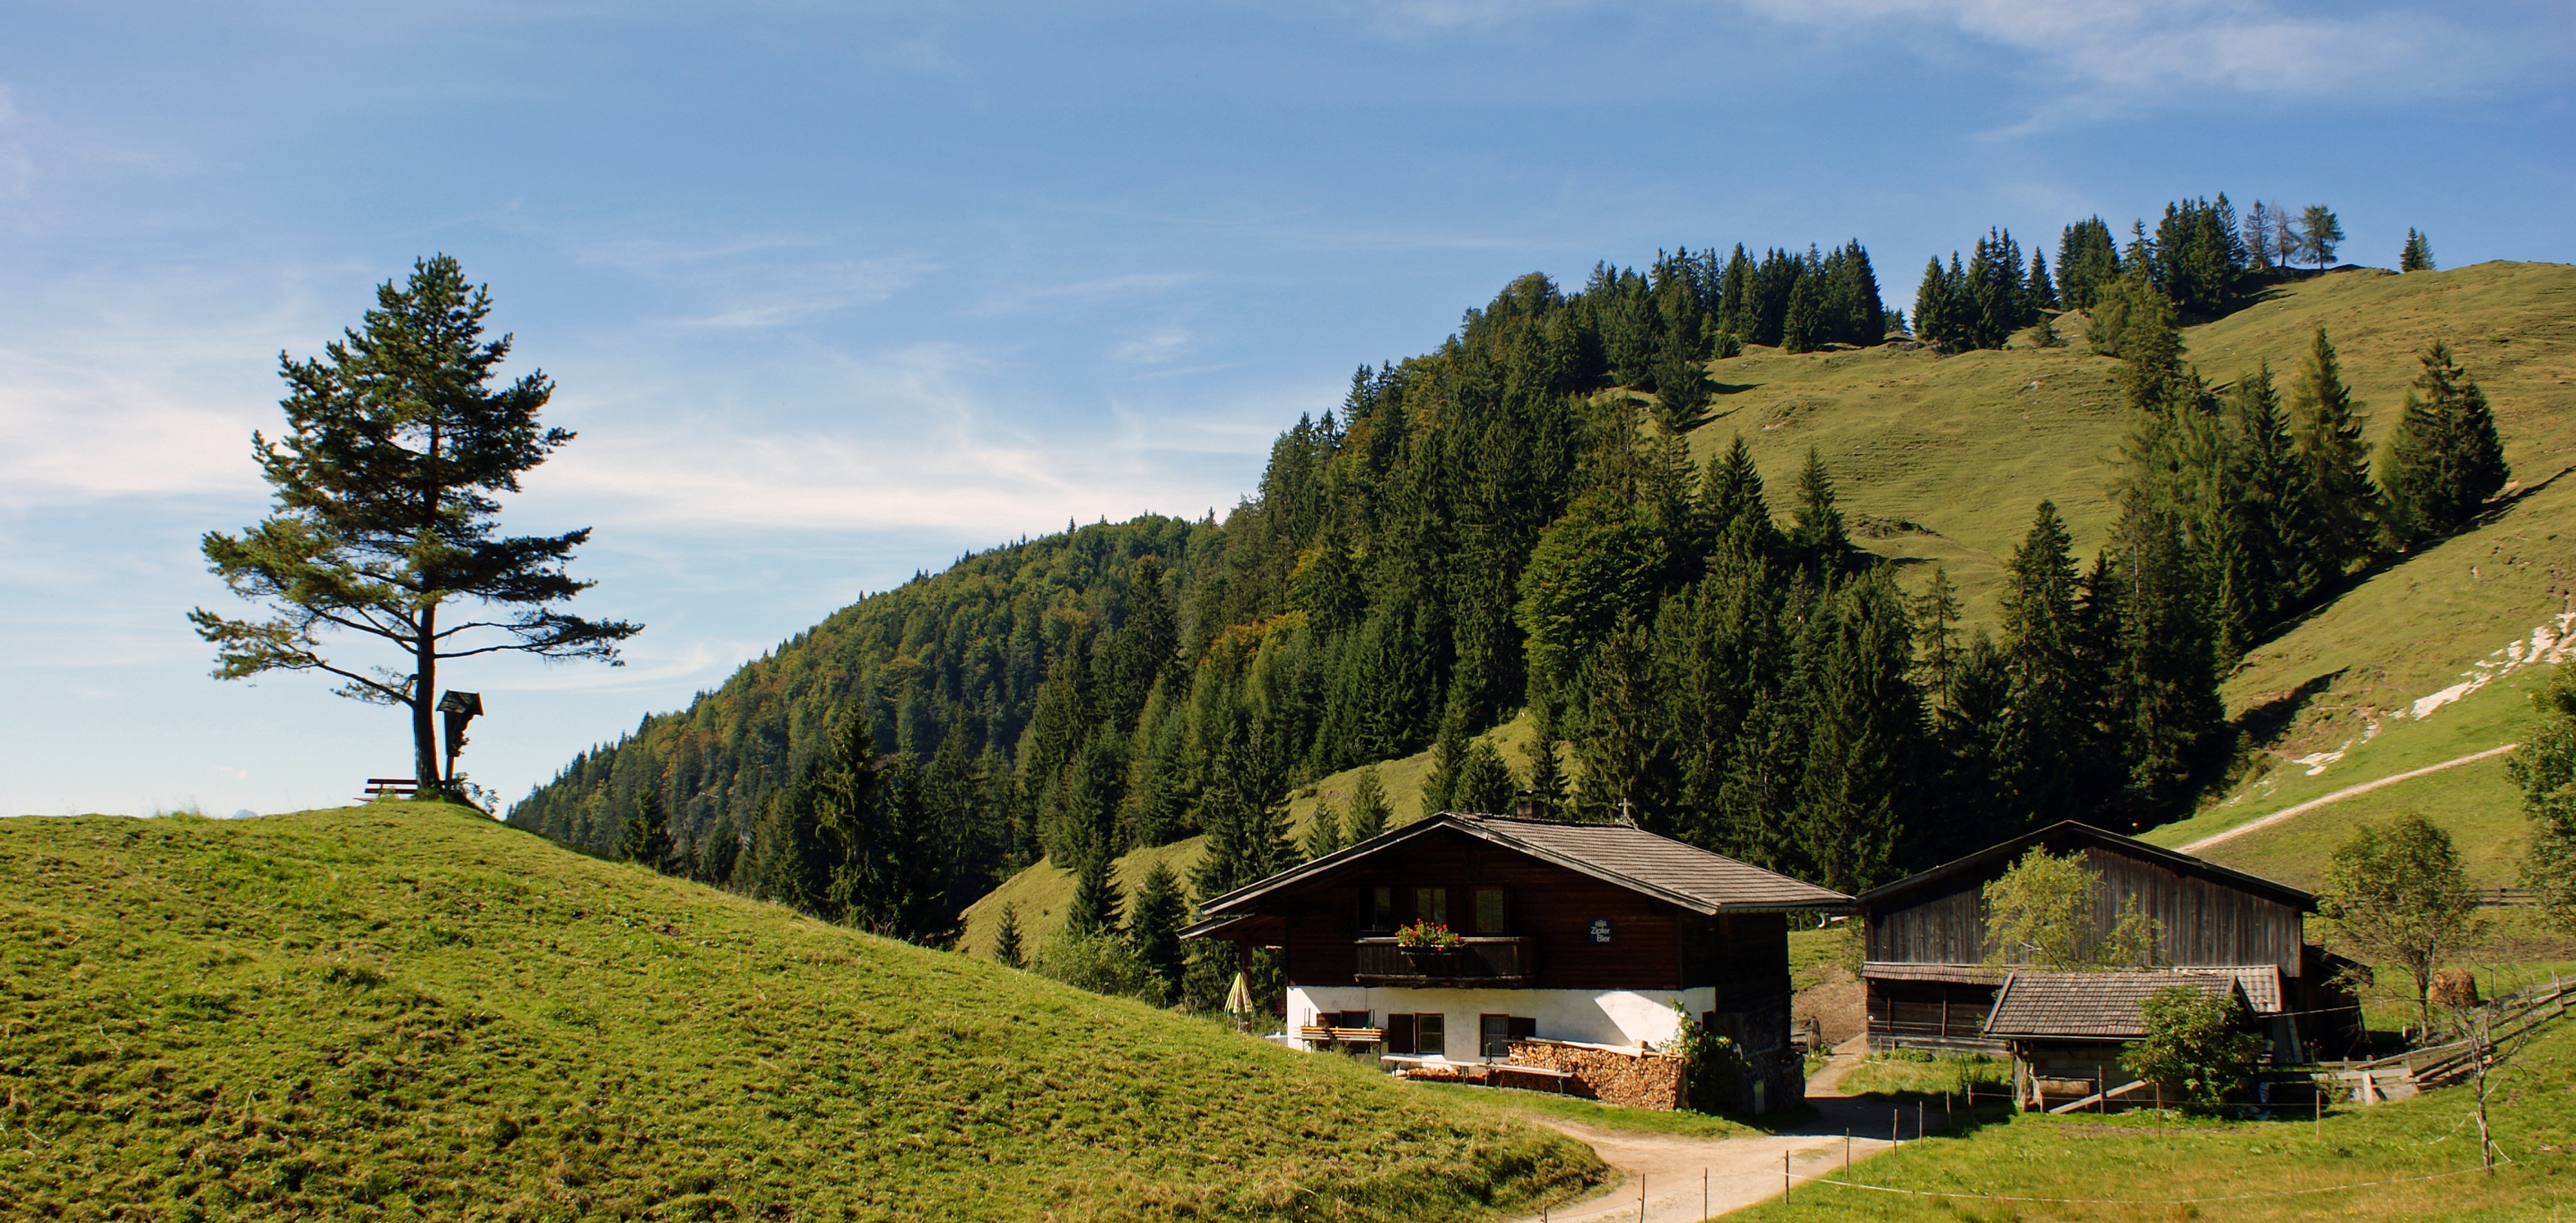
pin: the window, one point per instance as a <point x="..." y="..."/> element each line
<point x="1489" y="910"/>
<point x="1381" y="914"/>
<point x="1495" y="1033"/>
<point x="1431" y="905"/>
<point x="1431" y="1034"/>
<point x="1399" y="1034"/>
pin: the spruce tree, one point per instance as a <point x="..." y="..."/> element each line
<point x="1731" y="502"/>
<point x="1094" y="908"/>
<point x="2166" y="716"/>
<point x="2087" y="260"/>
<point x="1932" y="307"/>
<point x="1622" y="749"/>
<point x="1973" y="805"/>
<point x="1816" y="525"/>
<point x="1369" y="812"/>
<point x="2326" y="423"/>
<point x="1802" y="328"/>
<point x="1485" y="784"/>
<point x="2150" y="347"/>
<point x="2445" y="458"/>
<point x="2042" y="290"/>
<point x="2418" y="254"/>
<point x="2273" y="551"/>
<point x="647" y="838"/>
<point x="1007" y="951"/>
<point x="1245" y="818"/>
<point x="2045" y="674"/>
<point x="1448" y="755"/>
<point x="1324" y="832"/>
<point x="1857" y="790"/>
<point x="1154" y="920"/>
<point x="1547" y="775"/>
<point x="1936" y="628"/>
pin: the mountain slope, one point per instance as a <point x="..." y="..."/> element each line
<point x="402" y="1009"/>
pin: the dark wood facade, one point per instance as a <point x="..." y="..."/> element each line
<point x="1337" y="933"/>
<point x="2206" y="921"/>
<point x="1925" y="971"/>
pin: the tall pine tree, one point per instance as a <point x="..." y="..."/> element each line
<point x="2445" y="458"/>
<point x="2327" y="425"/>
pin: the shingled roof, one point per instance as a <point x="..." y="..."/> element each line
<point x="2068" y="835"/>
<point x="2091" y="1005"/>
<point x="1622" y="854"/>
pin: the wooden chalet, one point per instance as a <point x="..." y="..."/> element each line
<point x="1576" y="932"/>
<point x="1931" y="981"/>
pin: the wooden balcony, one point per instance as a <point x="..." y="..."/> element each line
<point x="1488" y="961"/>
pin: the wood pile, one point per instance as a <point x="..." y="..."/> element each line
<point x="1612" y="1076"/>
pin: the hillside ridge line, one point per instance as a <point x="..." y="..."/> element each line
<point x="2336" y="797"/>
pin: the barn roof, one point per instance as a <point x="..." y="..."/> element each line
<point x="2076" y="833"/>
<point x="2093" y="1005"/>
<point x="1620" y="854"/>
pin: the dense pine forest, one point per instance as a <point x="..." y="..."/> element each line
<point x="1513" y="522"/>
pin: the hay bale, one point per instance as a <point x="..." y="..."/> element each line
<point x="2455" y="988"/>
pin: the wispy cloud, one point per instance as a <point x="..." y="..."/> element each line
<point x="1155" y="347"/>
<point x="16" y="169"/>
<point x="2135" y="47"/>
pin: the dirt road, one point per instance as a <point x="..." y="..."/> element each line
<point x="1687" y="1179"/>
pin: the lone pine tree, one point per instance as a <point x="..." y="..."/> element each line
<point x="385" y="512"/>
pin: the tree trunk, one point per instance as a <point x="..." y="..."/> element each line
<point x="424" y="704"/>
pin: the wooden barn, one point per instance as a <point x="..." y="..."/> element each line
<point x="1572" y="932"/>
<point x="1930" y="979"/>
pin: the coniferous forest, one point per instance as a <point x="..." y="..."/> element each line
<point x="1513" y="522"/>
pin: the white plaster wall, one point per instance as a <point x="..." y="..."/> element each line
<point x="1601" y="1017"/>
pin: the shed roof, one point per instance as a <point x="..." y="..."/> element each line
<point x="2075" y="832"/>
<point x="2090" y="1005"/>
<point x="1621" y="854"/>
<point x="1956" y="974"/>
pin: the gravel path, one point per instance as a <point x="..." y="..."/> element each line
<point x="1674" y="1172"/>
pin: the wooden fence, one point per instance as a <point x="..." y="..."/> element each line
<point x="2449" y="1056"/>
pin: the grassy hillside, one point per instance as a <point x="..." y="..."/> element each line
<point x="1942" y="459"/>
<point x="405" y="1011"/>
<point x="2412" y="1160"/>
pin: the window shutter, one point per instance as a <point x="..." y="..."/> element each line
<point x="1399" y="1034"/>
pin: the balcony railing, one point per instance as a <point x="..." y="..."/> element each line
<point x="1478" y="961"/>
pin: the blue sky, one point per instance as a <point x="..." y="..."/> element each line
<point x="835" y="293"/>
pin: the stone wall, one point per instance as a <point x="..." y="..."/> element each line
<point x="1637" y="1080"/>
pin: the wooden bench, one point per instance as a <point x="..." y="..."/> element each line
<point x="389" y="787"/>
<point x="1341" y="1036"/>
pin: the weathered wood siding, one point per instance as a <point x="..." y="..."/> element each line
<point x="1933" y="1013"/>
<point x="2205" y="922"/>
<point x="1551" y="907"/>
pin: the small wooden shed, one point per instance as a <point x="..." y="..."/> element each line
<point x="2065" y="1030"/>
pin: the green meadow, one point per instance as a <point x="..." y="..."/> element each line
<point x="409" y="1011"/>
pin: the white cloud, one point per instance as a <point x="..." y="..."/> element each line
<point x="2157" y="46"/>
<point x="1153" y="347"/>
